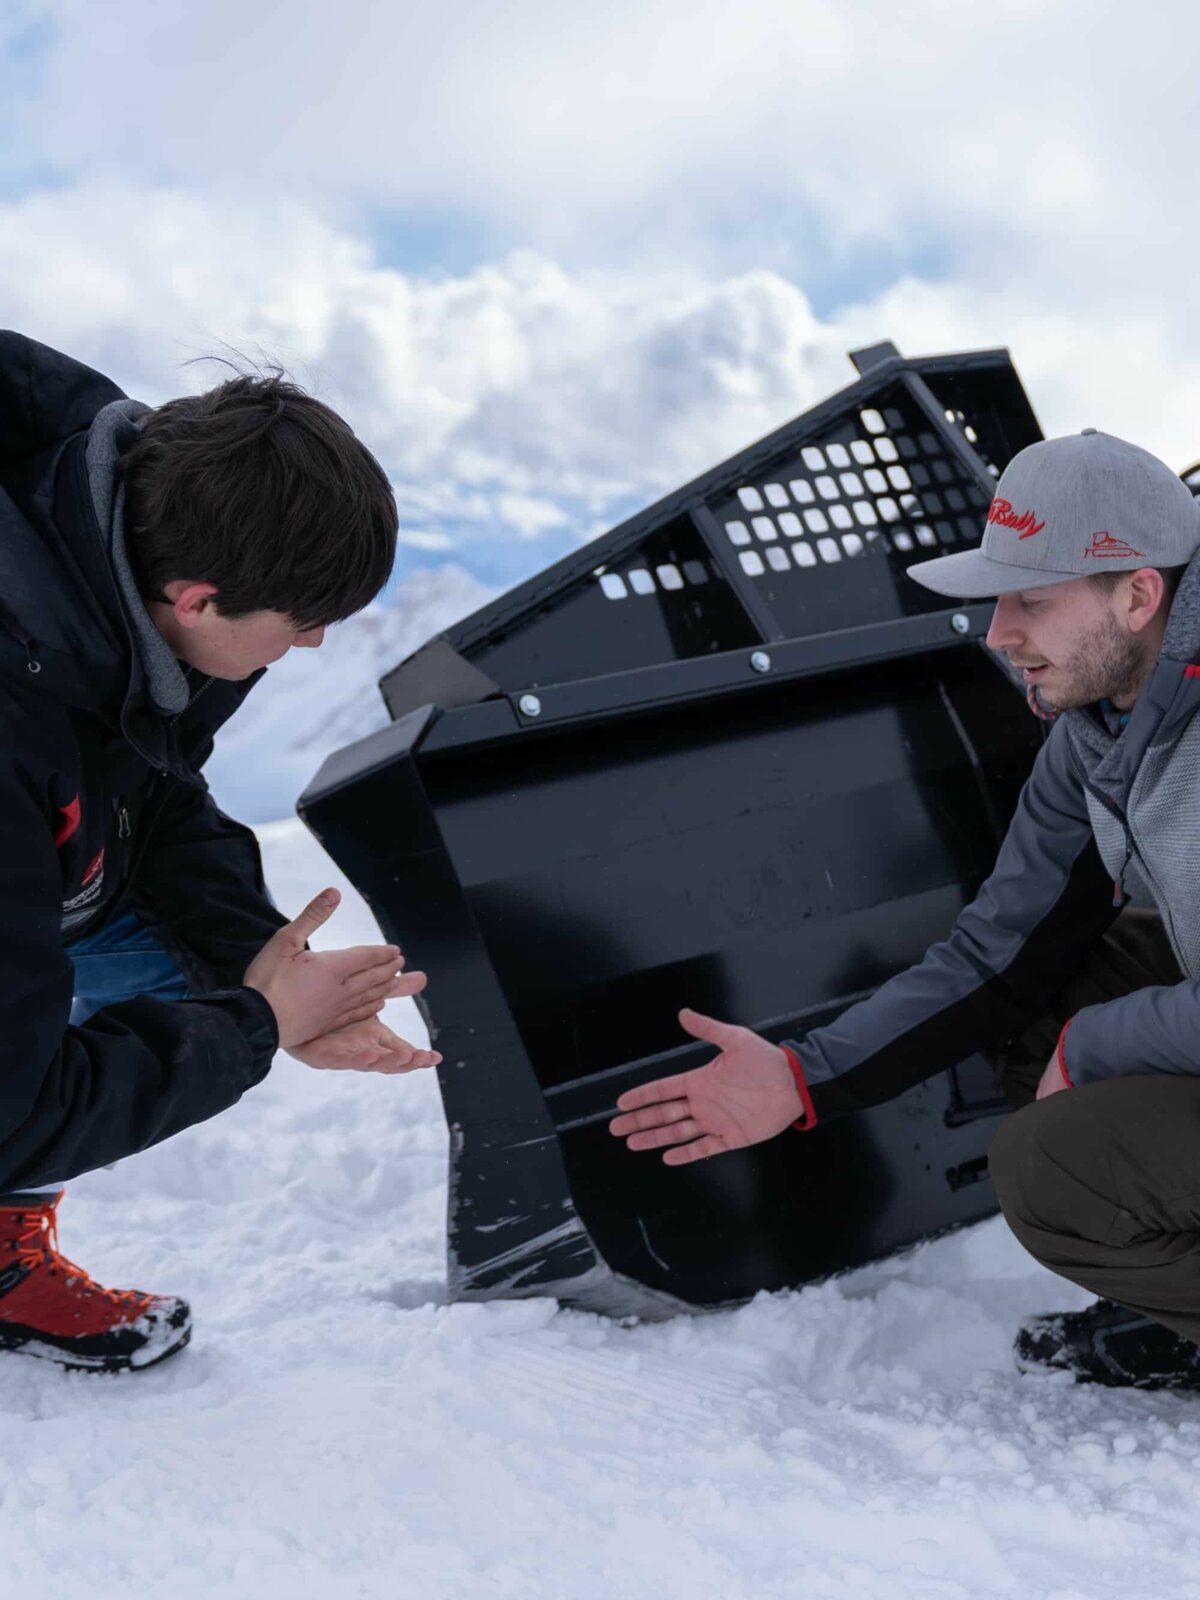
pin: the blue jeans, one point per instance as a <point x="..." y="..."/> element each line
<point x="120" y="961"/>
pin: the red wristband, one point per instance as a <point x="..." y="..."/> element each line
<point x="1058" y="1054"/>
<point x="809" y="1119"/>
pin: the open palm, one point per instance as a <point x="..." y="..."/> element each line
<point x="744" y="1095"/>
<point x="367" y="1046"/>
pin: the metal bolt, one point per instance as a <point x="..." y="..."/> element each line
<point x="960" y="622"/>
<point x="530" y="705"/>
<point x="760" y="661"/>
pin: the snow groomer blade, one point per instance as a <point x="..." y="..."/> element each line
<point x="726" y="756"/>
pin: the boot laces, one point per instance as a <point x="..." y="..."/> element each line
<point x="37" y="1244"/>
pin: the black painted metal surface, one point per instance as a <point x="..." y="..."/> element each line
<point x="754" y="789"/>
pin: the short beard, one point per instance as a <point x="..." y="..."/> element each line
<point x="1107" y="665"/>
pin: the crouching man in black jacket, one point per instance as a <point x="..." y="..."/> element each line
<point x="152" y="564"/>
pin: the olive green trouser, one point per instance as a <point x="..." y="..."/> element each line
<point x="1102" y="1183"/>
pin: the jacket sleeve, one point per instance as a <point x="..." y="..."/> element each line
<point x="1151" y="1030"/>
<point x="72" y="1099"/>
<point x="199" y="887"/>
<point x="1048" y="898"/>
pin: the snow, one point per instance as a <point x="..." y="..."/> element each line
<point x="336" y="1429"/>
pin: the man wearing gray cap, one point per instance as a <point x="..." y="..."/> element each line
<point x="1077" y="966"/>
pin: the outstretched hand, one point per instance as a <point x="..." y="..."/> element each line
<point x="368" y="1046"/>
<point x="745" y="1094"/>
<point x="314" y="993"/>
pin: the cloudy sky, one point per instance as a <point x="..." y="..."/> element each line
<point x="551" y="264"/>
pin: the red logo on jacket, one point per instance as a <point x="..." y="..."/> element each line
<point x="68" y="822"/>
<point x="1024" y="524"/>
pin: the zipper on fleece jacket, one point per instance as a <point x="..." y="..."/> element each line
<point x="1120" y="897"/>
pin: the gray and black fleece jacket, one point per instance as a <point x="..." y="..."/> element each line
<point x="1105" y="816"/>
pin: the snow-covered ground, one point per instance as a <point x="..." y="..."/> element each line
<point x="336" y="1430"/>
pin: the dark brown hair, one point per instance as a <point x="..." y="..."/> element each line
<point x="265" y="492"/>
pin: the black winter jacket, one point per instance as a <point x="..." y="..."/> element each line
<point x="102" y="804"/>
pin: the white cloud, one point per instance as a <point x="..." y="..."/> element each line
<point x="425" y="539"/>
<point x="520" y="395"/>
<point x="631" y="130"/>
<point x="1037" y="153"/>
<point x="530" y="515"/>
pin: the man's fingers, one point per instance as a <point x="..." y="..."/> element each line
<point x="402" y="1056"/>
<point x="410" y="983"/>
<point x="390" y="988"/>
<point x="375" y="998"/>
<point x="649" y="1094"/>
<point x="389" y="1062"/>
<point x="381" y="975"/>
<point x="722" y="1034"/>
<point x="657" y="1116"/>
<point x="318" y="910"/>
<point x="673" y="1133"/>
<point x="359" y="1011"/>
<point x="680" y="1155"/>
<point x="361" y="958"/>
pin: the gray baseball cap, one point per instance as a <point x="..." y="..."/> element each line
<point x="1070" y="507"/>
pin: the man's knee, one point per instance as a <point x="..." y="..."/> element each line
<point x="1037" y="1162"/>
<point x="1009" y="1160"/>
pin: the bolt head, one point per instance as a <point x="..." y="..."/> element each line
<point x="960" y="622"/>
<point x="760" y="661"/>
<point x="530" y="705"/>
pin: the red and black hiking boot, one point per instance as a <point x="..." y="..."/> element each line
<point x="51" y="1308"/>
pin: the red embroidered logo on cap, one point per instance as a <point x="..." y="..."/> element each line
<point x="1104" y="545"/>
<point x="1024" y="524"/>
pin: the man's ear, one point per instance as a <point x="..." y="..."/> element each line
<point x="1146" y="591"/>
<point x="188" y="600"/>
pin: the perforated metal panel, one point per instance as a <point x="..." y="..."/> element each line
<point x="880" y="488"/>
<point x="809" y="530"/>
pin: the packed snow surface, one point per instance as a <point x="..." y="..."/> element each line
<point x="337" y="1430"/>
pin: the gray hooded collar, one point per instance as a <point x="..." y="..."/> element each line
<point x="111" y="432"/>
<point x="1169" y="700"/>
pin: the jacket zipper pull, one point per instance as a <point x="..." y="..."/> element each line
<point x="31" y="661"/>
<point x="1119" y="895"/>
<point x="122" y="823"/>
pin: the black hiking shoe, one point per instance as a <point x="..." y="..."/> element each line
<point x="1109" y="1344"/>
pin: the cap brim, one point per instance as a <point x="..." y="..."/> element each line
<point x="970" y="575"/>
